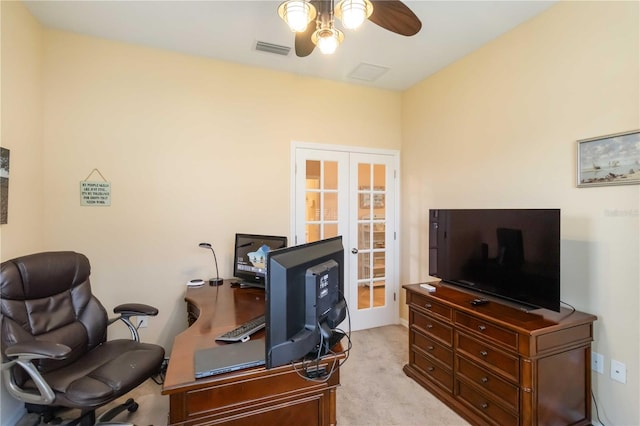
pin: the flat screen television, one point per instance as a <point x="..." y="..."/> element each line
<point x="513" y="254"/>
<point x="250" y="257"/>
<point x="304" y="300"/>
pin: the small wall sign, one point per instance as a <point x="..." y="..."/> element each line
<point x="95" y="193"/>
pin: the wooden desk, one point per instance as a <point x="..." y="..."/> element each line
<point x="248" y="397"/>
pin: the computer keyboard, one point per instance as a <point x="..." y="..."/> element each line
<point x="243" y="331"/>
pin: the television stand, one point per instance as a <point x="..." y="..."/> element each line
<point x="495" y="364"/>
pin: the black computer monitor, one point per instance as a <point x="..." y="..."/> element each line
<point x="304" y="299"/>
<point x="250" y="257"/>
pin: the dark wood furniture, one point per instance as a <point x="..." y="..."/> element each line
<point x="248" y="397"/>
<point x="496" y="364"/>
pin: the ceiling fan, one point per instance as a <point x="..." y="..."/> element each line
<point x="314" y="20"/>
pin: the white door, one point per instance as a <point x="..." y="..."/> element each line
<point x="372" y="244"/>
<point x="337" y="191"/>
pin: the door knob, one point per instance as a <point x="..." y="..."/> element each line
<point x="354" y="250"/>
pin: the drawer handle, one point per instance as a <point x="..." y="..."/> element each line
<point x="484" y="380"/>
<point x="482" y="327"/>
<point x="430" y="369"/>
<point x="484" y="406"/>
<point x="427" y="305"/>
<point x="484" y="353"/>
<point x="429" y="325"/>
<point x="430" y="348"/>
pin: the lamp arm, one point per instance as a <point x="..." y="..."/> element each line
<point x="213" y="281"/>
<point x="215" y="259"/>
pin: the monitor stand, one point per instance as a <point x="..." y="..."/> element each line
<point x="318" y="352"/>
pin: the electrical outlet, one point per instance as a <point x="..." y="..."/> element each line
<point x="618" y="371"/>
<point x="597" y="362"/>
<point x="142" y="321"/>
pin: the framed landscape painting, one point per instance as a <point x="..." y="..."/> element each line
<point x="609" y="160"/>
<point x="4" y="185"/>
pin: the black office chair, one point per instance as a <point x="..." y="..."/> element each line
<point x="54" y="348"/>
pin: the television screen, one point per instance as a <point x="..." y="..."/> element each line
<point x="250" y="257"/>
<point x="304" y="300"/>
<point x="513" y="254"/>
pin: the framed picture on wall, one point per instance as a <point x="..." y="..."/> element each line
<point x="4" y="185"/>
<point x="609" y="160"/>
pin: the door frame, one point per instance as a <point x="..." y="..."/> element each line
<point x="396" y="206"/>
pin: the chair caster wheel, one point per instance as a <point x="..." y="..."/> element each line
<point x="132" y="407"/>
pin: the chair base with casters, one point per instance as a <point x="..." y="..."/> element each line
<point x="54" y="347"/>
<point x="38" y="414"/>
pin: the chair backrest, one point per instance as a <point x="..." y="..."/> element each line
<point x="47" y="296"/>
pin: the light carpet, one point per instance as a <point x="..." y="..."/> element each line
<point x="375" y="390"/>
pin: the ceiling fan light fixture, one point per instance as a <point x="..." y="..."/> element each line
<point x="327" y="39"/>
<point x="297" y="14"/>
<point x="353" y="13"/>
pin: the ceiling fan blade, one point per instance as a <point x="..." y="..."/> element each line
<point x="395" y="16"/>
<point x="304" y="45"/>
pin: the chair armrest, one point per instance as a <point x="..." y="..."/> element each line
<point x="132" y="309"/>
<point x="129" y="310"/>
<point x="37" y="350"/>
<point x="22" y="354"/>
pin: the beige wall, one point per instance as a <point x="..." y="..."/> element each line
<point x="21" y="133"/>
<point x="22" y="48"/>
<point x="499" y="129"/>
<point x="195" y="150"/>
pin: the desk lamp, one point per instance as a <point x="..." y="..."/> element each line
<point x="217" y="280"/>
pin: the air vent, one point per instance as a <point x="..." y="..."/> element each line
<point x="272" y="48"/>
<point x="367" y="72"/>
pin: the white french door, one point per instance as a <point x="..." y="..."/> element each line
<point x="337" y="191"/>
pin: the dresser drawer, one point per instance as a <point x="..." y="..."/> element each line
<point x="427" y="303"/>
<point x="432" y="348"/>
<point x="492" y="411"/>
<point x="488" y="355"/>
<point x="431" y="327"/>
<point x="487" y="330"/>
<point x="432" y="370"/>
<point x="491" y="383"/>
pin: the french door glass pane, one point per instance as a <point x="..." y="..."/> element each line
<point x="330" y="206"/>
<point x="313" y="206"/>
<point x="330" y="230"/>
<point x="321" y="218"/>
<point x="364" y="267"/>
<point x="330" y="175"/>
<point x="313" y="232"/>
<point x="371" y="235"/>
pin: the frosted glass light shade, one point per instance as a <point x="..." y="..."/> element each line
<point x="353" y="13"/>
<point x="327" y="39"/>
<point x="297" y="14"/>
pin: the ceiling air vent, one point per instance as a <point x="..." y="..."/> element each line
<point x="367" y="72"/>
<point x="273" y="48"/>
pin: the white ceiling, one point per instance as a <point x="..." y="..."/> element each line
<point x="229" y="30"/>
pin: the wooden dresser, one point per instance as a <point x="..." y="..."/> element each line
<point x="498" y="365"/>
